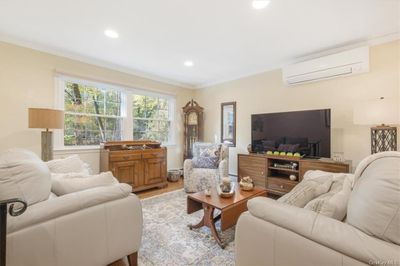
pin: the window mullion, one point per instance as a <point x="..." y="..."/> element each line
<point x="128" y="119"/>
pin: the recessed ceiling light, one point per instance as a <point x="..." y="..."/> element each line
<point x="188" y="63"/>
<point x="111" y="33"/>
<point x="260" y="4"/>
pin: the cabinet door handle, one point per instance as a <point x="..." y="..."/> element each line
<point x="262" y="172"/>
<point x="281" y="186"/>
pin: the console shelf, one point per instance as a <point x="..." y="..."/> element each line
<point x="284" y="169"/>
<point x="276" y="180"/>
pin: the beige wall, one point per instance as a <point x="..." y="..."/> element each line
<point x="27" y="80"/>
<point x="266" y="92"/>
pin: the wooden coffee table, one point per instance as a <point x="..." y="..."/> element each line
<point x="230" y="208"/>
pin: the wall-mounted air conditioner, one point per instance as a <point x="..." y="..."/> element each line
<point x="346" y="63"/>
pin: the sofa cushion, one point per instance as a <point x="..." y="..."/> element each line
<point x="70" y="164"/>
<point x="333" y="203"/>
<point x="23" y="175"/>
<point x="307" y="190"/>
<point x="374" y="204"/>
<point x="72" y="182"/>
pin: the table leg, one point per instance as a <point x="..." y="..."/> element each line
<point x="209" y="221"/>
<point x="195" y="226"/>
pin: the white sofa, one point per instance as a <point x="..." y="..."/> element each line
<point x="95" y="226"/>
<point x="272" y="233"/>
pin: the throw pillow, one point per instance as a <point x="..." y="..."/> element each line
<point x="70" y="164"/>
<point x="68" y="183"/>
<point x="23" y="175"/>
<point x="333" y="203"/>
<point x="205" y="162"/>
<point x="306" y="190"/>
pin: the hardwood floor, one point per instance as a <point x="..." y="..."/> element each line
<point x="157" y="191"/>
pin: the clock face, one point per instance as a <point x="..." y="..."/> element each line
<point x="192" y="118"/>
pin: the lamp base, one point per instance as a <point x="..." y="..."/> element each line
<point x="47" y="145"/>
<point x="383" y="138"/>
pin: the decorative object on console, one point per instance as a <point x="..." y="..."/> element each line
<point x="382" y="112"/>
<point x="228" y="123"/>
<point x="246" y="183"/>
<point x="46" y="119"/>
<point x="249" y="148"/>
<point x="193" y="127"/>
<point x="142" y="166"/>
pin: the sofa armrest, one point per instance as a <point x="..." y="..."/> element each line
<point x="326" y="231"/>
<point x="69" y="203"/>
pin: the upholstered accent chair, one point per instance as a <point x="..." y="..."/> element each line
<point x="198" y="177"/>
<point x="273" y="233"/>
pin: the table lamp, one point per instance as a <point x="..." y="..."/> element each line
<point x="381" y="114"/>
<point x="46" y="119"/>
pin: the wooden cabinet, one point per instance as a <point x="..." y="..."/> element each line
<point x="142" y="167"/>
<point x="253" y="166"/>
<point x="272" y="172"/>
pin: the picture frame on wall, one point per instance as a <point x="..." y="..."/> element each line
<point x="228" y="123"/>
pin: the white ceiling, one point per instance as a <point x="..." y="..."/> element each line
<point x="225" y="39"/>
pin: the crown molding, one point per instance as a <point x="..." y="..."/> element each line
<point x="89" y="60"/>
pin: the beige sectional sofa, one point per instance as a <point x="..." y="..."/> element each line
<point x="273" y="233"/>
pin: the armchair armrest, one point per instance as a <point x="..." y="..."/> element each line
<point x="69" y="203"/>
<point x="328" y="232"/>
<point x="187" y="166"/>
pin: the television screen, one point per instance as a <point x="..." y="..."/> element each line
<point x="305" y="132"/>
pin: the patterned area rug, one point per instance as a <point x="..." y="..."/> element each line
<point x="168" y="241"/>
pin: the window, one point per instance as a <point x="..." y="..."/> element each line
<point x="96" y="112"/>
<point x="150" y="118"/>
<point x="92" y="115"/>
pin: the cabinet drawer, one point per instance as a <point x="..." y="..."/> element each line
<point x="279" y="184"/>
<point x="125" y="157"/>
<point x="149" y="155"/>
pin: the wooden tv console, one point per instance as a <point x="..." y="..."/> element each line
<point x="141" y="164"/>
<point x="261" y="168"/>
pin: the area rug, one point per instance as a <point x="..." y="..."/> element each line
<point x="168" y="241"/>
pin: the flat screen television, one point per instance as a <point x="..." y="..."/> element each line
<point x="305" y="132"/>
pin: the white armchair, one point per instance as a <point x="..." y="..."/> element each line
<point x="94" y="226"/>
<point x="198" y="179"/>
<point x="273" y="233"/>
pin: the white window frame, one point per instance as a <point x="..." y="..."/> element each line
<point x="126" y="109"/>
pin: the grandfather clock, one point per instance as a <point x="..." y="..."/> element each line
<point x="193" y="115"/>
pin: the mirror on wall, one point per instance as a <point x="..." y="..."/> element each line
<point x="228" y="123"/>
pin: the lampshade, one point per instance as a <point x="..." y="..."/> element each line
<point x="46" y="118"/>
<point x="377" y="112"/>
